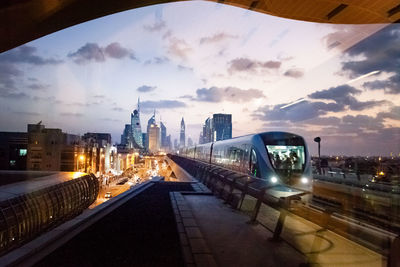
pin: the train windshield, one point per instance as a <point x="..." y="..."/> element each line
<point x="286" y="157"/>
<point x="286" y="152"/>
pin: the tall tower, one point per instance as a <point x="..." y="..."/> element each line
<point x="154" y="134"/>
<point x="136" y="129"/>
<point x="182" y="135"/>
<point x="150" y="122"/>
<point x="163" y="135"/>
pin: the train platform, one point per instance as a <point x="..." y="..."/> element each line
<point x="235" y="242"/>
<point x="220" y="236"/>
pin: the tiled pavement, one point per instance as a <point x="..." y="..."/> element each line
<point x="194" y="248"/>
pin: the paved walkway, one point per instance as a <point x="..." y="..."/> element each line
<point x="233" y="242"/>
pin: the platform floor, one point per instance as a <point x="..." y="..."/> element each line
<point x="322" y="247"/>
<point x="233" y="242"/>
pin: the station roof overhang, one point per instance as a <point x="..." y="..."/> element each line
<point x="22" y="21"/>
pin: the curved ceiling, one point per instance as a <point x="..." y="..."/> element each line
<point x="22" y="21"/>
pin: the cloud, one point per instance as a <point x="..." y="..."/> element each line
<point x="161" y="104"/>
<point x="26" y="54"/>
<point x="13" y="95"/>
<point x="393" y="113"/>
<point x="99" y="96"/>
<point x="38" y="86"/>
<point x="298" y="112"/>
<point x="26" y="113"/>
<point x="167" y="35"/>
<point x="88" y="52"/>
<point x="118" y="109"/>
<point x="218" y="37"/>
<point x="110" y="119"/>
<point x="179" y="48"/>
<point x="78" y="104"/>
<point x="92" y="52"/>
<point x="146" y="88"/>
<point x="231" y="94"/>
<point x="8" y="79"/>
<point x="251" y="66"/>
<point x="156" y="27"/>
<point x="8" y="74"/>
<point x="390" y="86"/>
<point x="294" y="73"/>
<point x="340" y="98"/>
<point x="157" y="61"/>
<point x="115" y="50"/>
<point x="184" y="68"/>
<point x="71" y="114"/>
<point x="344" y="95"/>
<point x="323" y="121"/>
<point x="379" y="52"/>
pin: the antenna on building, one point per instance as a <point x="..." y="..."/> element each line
<point x="40" y="122"/>
<point x="138" y="104"/>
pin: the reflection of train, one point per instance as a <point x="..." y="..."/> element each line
<point x="377" y="202"/>
<point x="279" y="157"/>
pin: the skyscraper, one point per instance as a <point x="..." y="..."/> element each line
<point x="169" y="144"/>
<point x="151" y="121"/>
<point x="154" y="134"/>
<point x="208" y="131"/>
<point x="163" y="135"/>
<point x="126" y="135"/>
<point x="222" y="126"/>
<point x="136" y="129"/>
<point x="144" y="138"/>
<point x="182" y="134"/>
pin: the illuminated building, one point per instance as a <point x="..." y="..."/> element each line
<point x="222" y="126"/>
<point x="53" y="150"/>
<point x="150" y="122"/>
<point x="154" y="136"/>
<point x="207" y="131"/>
<point x="136" y="129"/>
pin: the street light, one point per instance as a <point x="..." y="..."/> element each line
<point x="318" y="140"/>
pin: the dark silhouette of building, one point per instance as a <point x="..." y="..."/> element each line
<point x="13" y="150"/>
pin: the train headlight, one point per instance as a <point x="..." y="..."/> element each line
<point x="274" y="179"/>
<point x="304" y="180"/>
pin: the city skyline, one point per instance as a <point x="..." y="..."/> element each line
<point x="82" y="79"/>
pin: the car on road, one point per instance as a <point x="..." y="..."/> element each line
<point x="108" y="195"/>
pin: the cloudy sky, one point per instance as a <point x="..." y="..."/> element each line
<point x="193" y="59"/>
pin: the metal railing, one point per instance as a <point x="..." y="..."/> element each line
<point x="233" y="187"/>
<point x="26" y="216"/>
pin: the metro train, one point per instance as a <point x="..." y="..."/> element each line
<point x="279" y="157"/>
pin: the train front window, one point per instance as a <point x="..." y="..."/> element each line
<point x="287" y="158"/>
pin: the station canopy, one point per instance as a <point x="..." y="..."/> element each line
<point x="22" y="21"/>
